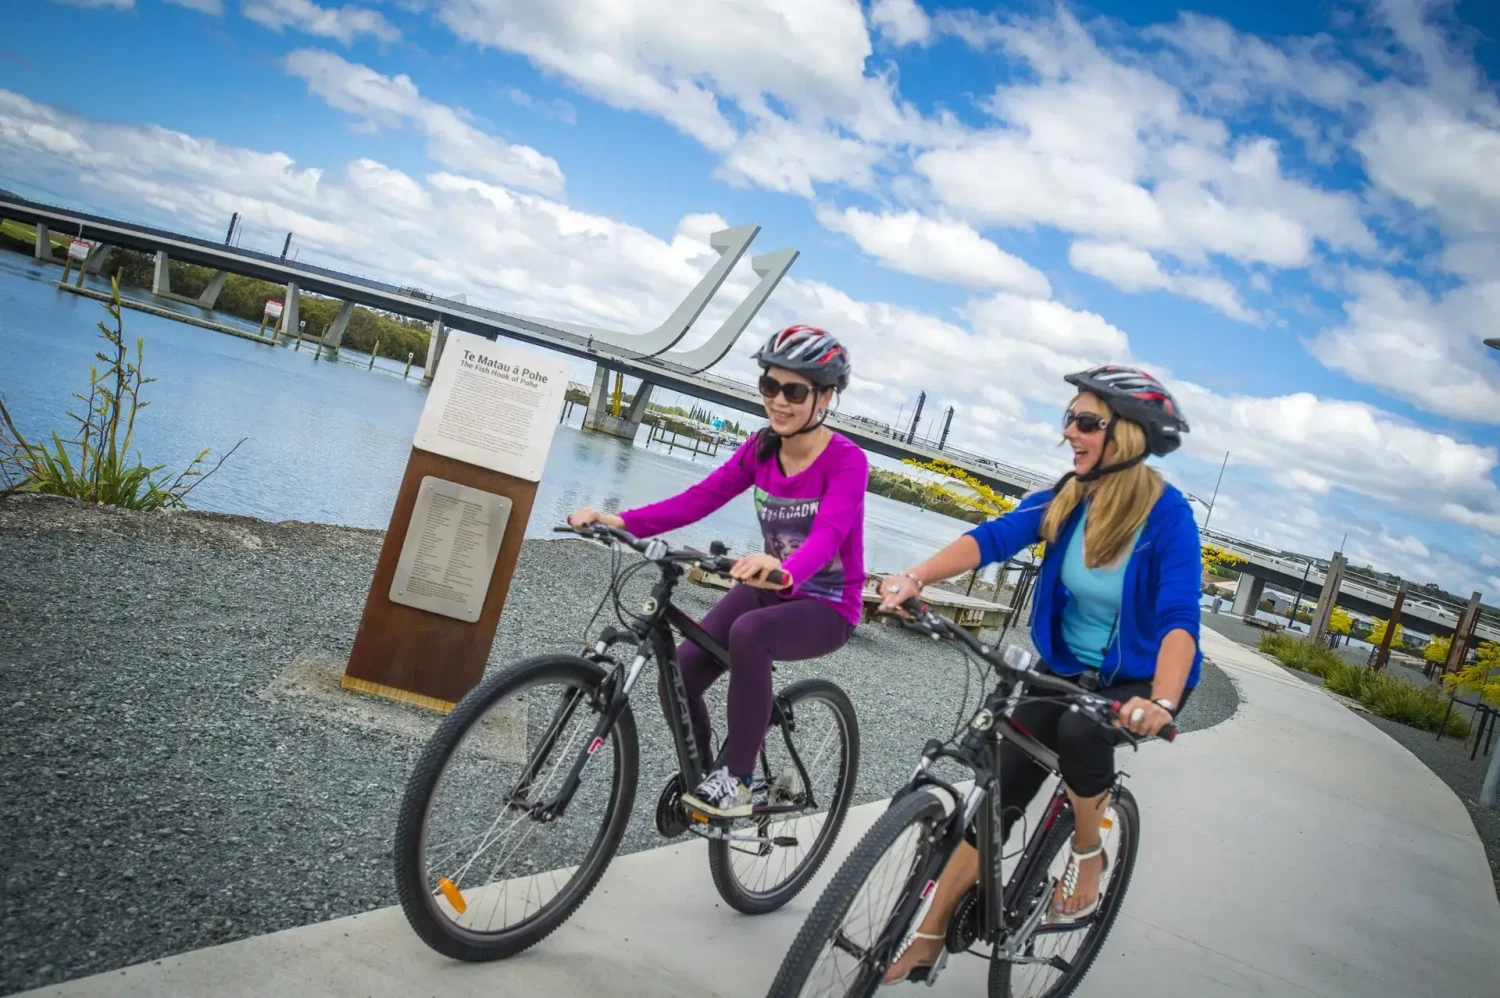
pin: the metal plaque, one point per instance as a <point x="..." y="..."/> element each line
<point x="449" y="553"/>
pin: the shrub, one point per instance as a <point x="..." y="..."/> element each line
<point x="1298" y="654"/>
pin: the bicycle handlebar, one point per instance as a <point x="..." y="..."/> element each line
<point x="1012" y="661"/>
<point x="658" y="550"/>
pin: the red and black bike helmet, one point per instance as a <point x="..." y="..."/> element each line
<point x="1137" y="396"/>
<point x="811" y="352"/>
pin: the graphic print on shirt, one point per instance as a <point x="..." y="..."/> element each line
<point x="785" y="524"/>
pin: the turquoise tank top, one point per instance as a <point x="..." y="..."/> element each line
<point x="1088" y="621"/>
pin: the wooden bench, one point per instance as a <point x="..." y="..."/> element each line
<point x="969" y="612"/>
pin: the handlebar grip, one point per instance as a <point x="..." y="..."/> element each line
<point x="776" y="577"/>
<point x="1168" y="733"/>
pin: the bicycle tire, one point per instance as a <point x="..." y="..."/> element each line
<point x="802" y="958"/>
<point x="720" y="858"/>
<point x="1127" y="813"/>
<point x="417" y="899"/>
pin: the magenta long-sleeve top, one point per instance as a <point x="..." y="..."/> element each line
<point x="813" y="521"/>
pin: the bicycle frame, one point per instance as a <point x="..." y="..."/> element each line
<point x="651" y="634"/>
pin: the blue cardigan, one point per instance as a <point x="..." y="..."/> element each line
<point x="1163" y="580"/>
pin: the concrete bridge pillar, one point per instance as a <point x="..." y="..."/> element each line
<point x="98" y="257"/>
<point x="435" y="343"/>
<point x="1248" y="594"/>
<point x="161" y="275"/>
<point x="334" y="337"/>
<point x="291" y="321"/>
<point x="210" y="296"/>
<point x="43" y="242"/>
<point x="1329" y="595"/>
<point x="600" y="416"/>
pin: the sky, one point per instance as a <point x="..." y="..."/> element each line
<point x="1288" y="212"/>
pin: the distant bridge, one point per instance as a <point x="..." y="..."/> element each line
<point x="648" y="356"/>
<point x="1417" y="611"/>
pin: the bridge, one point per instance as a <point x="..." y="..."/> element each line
<point x="1362" y="596"/>
<point x="649" y="356"/>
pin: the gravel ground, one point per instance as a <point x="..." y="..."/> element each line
<point x="180" y="769"/>
<point x="1448" y="759"/>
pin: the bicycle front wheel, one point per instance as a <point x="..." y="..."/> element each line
<point x="482" y="874"/>
<point x="1055" y="958"/>
<point x="778" y="852"/>
<point x="886" y="877"/>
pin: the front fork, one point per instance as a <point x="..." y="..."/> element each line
<point x="618" y="692"/>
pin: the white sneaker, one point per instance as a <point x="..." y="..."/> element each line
<point x="720" y="795"/>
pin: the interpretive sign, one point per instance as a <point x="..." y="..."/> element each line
<point x="450" y="547"/>
<point x="494" y="405"/>
<point x="273" y="309"/>
<point x="79" y="250"/>
<point x="458" y="523"/>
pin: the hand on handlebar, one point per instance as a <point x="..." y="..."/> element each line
<point x="1153" y="717"/>
<point x="756" y="570"/>
<point x="895" y="590"/>
<point x="585" y="516"/>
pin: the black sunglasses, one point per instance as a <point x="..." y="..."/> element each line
<point x="796" y="392"/>
<point x="1088" y="422"/>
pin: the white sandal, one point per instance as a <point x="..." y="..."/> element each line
<point x="913" y="936"/>
<point x="1070" y="884"/>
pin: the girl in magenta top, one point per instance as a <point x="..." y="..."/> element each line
<point x="809" y="492"/>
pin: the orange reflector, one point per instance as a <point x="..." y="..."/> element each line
<point x="697" y="817"/>
<point x="1107" y="823"/>
<point x="453" y="895"/>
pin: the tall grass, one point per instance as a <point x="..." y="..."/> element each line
<point x="95" y="466"/>
<point x="1382" y="695"/>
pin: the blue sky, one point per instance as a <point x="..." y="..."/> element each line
<point x="1288" y="210"/>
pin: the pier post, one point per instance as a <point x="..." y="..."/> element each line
<point x="290" y="322"/>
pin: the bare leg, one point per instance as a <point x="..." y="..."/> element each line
<point x="1088" y="817"/>
<point x="961" y="873"/>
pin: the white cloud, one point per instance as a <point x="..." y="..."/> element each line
<point x="556" y="108"/>
<point x="118" y="4"/>
<point x="212" y="7"/>
<point x="901" y="22"/>
<point x="1108" y="150"/>
<point x="385" y="101"/>
<point x="341" y="23"/>
<point x="1425" y="350"/>
<point x="1001" y="366"/>
<point x="942" y="250"/>
<point x="1132" y="269"/>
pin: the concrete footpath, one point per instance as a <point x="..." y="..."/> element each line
<point x="1292" y="850"/>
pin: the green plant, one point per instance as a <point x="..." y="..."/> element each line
<point x="102" y="472"/>
<point x="1483" y="677"/>
<point x="1298" y="654"/>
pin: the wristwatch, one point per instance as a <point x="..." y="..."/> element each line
<point x="1167" y="705"/>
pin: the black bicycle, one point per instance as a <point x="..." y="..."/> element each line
<point x="852" y="937"/>
<point x="539" y="762"/>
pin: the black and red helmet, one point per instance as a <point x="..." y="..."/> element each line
<point x="811" y="352"/>
<point x="1137" y="396"/>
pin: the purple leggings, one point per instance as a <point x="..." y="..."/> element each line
<point x="758" y="627"/>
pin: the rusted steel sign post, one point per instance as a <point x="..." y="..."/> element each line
<point x="456" y="529"/>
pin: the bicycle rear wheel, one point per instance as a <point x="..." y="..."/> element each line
<point x="888" y="873"/>
<point x="480" y="874"/>
<point x="1059" y="978"/>
<point x="822" y="730"/>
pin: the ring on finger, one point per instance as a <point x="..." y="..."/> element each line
<point x="1137" y="716"/>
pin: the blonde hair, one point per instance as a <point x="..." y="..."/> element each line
<point x="1121" y="501"/>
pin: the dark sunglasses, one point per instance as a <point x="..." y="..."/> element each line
<point x="795" y="393"/>
<point x="1088" y="422"/>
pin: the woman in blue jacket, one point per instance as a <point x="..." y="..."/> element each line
<point x="1116" y="609"/>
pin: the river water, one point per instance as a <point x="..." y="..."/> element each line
<point x="328" y="442"/>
